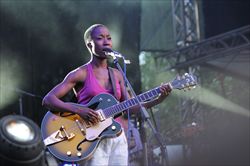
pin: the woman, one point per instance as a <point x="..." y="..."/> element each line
<point x="90" y="80"/>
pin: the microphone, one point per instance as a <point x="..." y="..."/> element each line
<point x="112" y="53"/>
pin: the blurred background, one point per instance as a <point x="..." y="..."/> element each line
<point x="42" y="40"/>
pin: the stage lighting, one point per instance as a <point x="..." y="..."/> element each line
<point x="21" y="142"/>
<point x="69" y="164"/>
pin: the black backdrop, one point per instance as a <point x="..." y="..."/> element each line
<point x="45" y="39"/>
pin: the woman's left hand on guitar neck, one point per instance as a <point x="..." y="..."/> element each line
<point x="165" y="91"/>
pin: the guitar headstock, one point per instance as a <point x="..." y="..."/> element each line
<point x="186" y="81"/>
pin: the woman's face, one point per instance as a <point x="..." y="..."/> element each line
<point x="101" y="39"/>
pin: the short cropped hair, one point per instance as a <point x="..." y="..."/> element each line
<point x="88" y="32"/>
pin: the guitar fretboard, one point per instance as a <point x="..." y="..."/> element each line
<point x="187" y="80"/>
<point x="118" y="108"/>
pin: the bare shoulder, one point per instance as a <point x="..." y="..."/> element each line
<point x="78" y="74"/>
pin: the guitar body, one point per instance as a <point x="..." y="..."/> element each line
<point x="69" y="138"/>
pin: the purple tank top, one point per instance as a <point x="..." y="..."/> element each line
<point x="92" y="88"/>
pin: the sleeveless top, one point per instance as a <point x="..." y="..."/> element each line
<point x="92" y="88"/>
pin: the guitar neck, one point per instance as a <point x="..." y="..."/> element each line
<point x="118" y="108"/>
<point x="187" y="80"/>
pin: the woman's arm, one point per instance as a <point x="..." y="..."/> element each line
<point x="53" y="99"/>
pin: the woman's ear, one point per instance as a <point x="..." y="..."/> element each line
<point x="89" y="45"/>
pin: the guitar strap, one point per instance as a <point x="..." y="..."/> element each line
<point x="112" y="77"/>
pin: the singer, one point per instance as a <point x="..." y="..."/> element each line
<point x="90" y="80"/>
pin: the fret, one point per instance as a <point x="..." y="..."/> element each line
<point x="151" y="92"/>
<point x="125" y="103"/>
<point x="143" y="97"/>
<point x="155" y="92"/>
<point x="115" y="109"/>
<point x="140" y="98"/>
<point x="107" y="112"/>
<point x="120" y="106"/>
<point x="158" y="90"/>
<point x="133" y="101"/>
<point x="130" y="102"/>
<point x="111" y="111"/>
<point x="123" y="106"/>
<point x="150" y="95"/>
<point x="146" y="95"/>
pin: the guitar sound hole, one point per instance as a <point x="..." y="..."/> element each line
<point x="78" y="146"/>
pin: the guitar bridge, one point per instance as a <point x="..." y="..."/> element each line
<point x="58" y="136"/>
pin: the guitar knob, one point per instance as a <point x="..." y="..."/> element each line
<point x="79" y="154"/>
<point x="68" y="153"/>
<point x="113" y="128"/>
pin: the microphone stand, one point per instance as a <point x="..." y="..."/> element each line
<point x="20" y="99"/>
<point x="144" y="115"/>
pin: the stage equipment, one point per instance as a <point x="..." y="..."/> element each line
<point x="20" y="140"/>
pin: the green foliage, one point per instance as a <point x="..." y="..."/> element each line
<point x="227" y="86"/>
<point x="215" y="88"/>
<point x="166" y="114"/>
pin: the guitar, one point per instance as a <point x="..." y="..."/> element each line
<point x="69" y="138"/>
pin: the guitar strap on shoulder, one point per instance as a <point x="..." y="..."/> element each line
<point x="112" y="77"/>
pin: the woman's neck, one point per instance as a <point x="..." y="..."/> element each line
<point x="98" y="62"/>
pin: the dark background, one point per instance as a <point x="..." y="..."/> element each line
<point x="47" y="38"/>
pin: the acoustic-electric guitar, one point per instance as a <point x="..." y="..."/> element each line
<point x="69" y="138"/>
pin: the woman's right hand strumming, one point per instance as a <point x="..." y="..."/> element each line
<point x="88" y="115"/>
